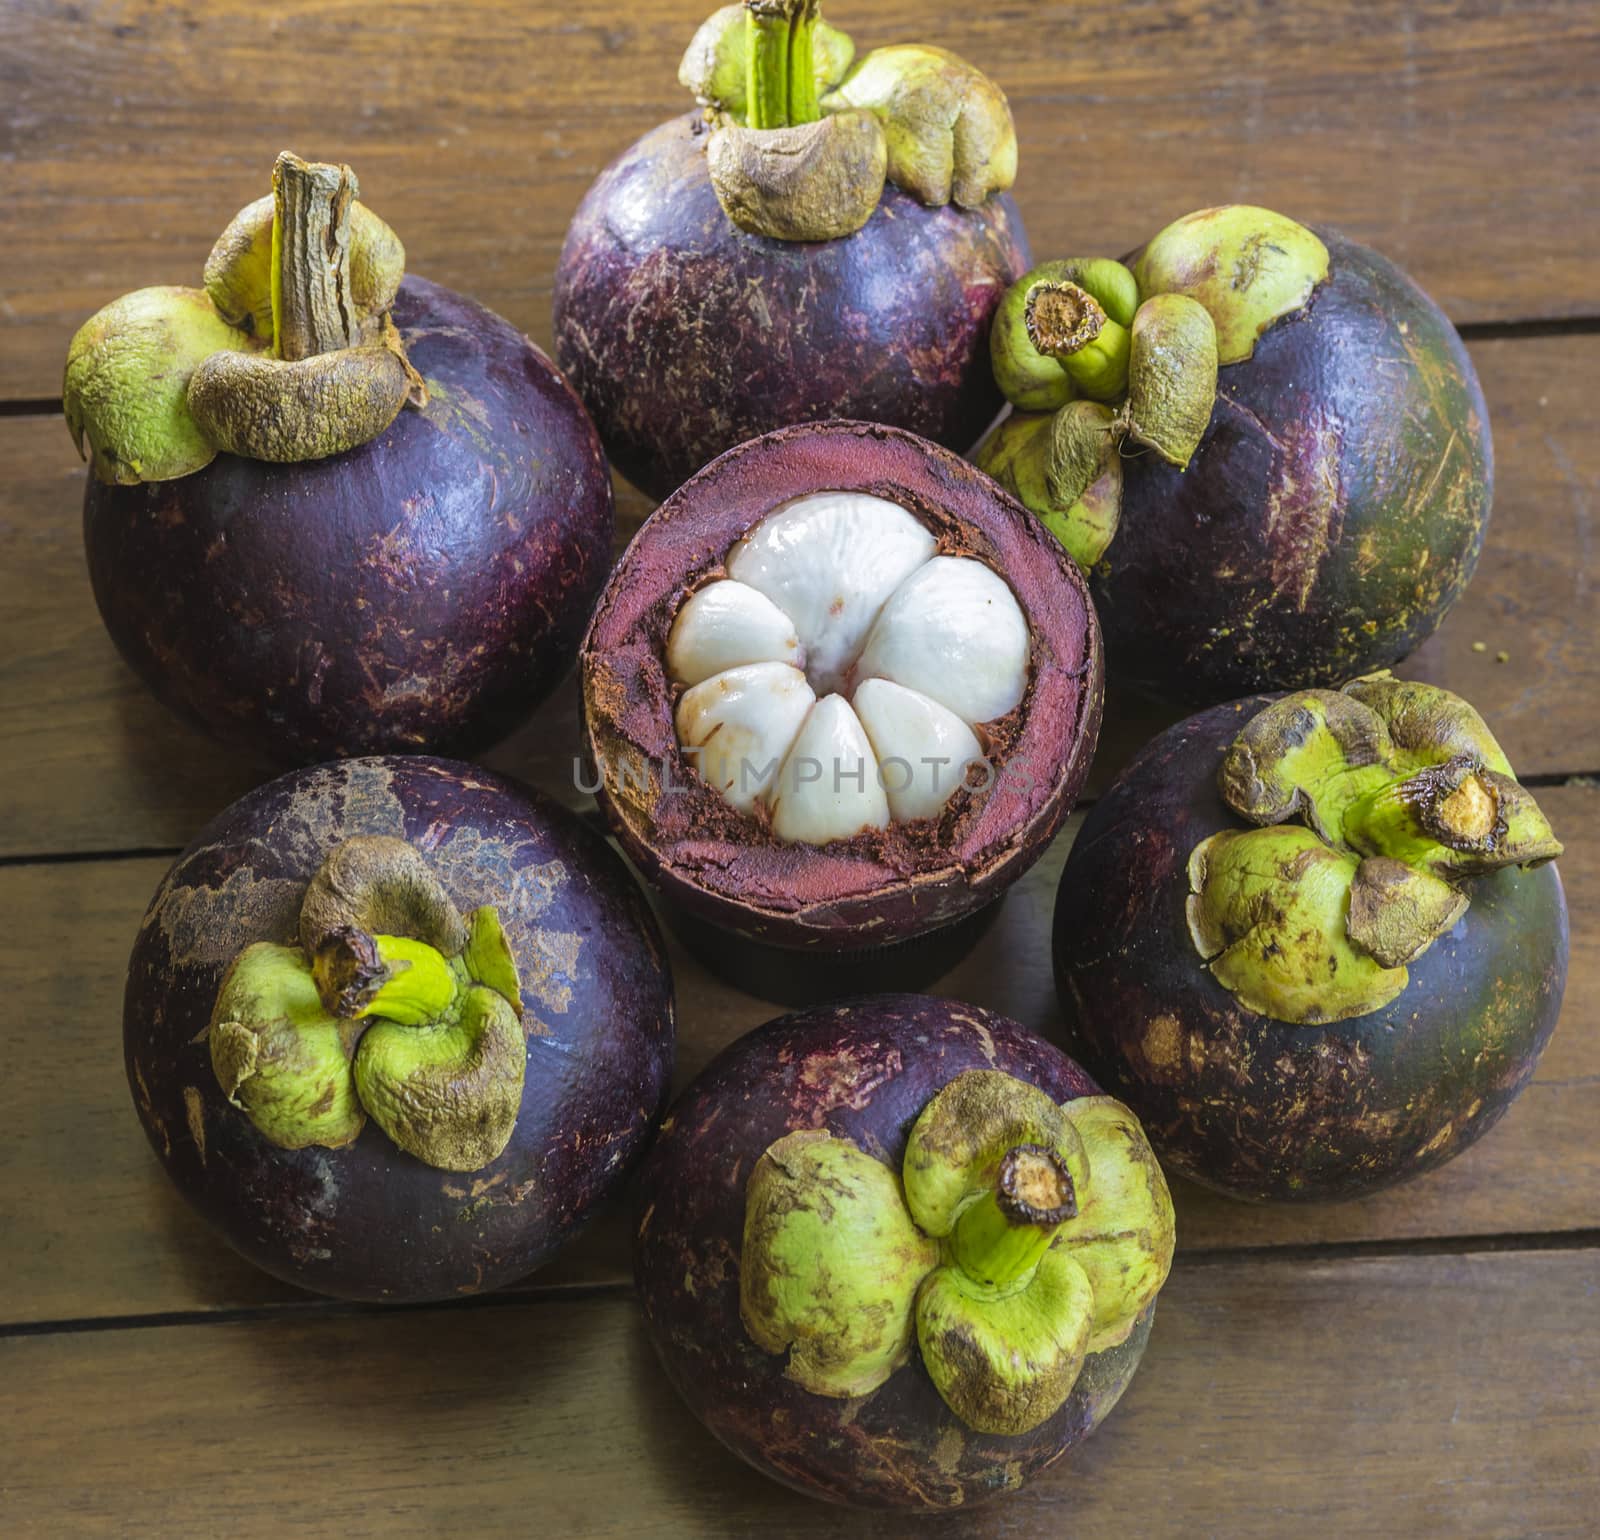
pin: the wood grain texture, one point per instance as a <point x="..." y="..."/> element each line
<point x="94" y="1230"/>
<point x="92" y="763"/>
<point x="131" y="130"/>
<point x="1448" y="1395"/>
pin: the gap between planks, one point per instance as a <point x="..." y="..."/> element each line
<point x="313" y="1307"/>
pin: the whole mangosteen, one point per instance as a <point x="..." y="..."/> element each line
<point x="395" y="1026"/>
<point x="1266" y="445"/>
<point x="899" y="1252"/>
<point x="1314" y="940"/>
<point x="334" y="510"/>
<point x="840" y="691"/>
<point x="824" y="237"/>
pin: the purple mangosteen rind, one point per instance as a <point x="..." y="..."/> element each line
<point x="685" y="336"/>
<point x="1333" y="512"/>
<point x="1269" y="1110"/>
<point x="862" y="1070"/>
<point x="368" y="1221"/>
<point x="880" y="887"/>
<point x="423" y="591"/>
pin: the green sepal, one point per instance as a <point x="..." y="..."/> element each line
<point x="830" y="1263"/>
<point x="488" y="956"/>
<point x="125" y="391"/>
<point x="1125" y="1233"/>
<point x="1397" y="912"/>
<point x="1248" y="266"/>
<point x="1172" y="376"/>
<point x="1004" y="1364"/>
<point x="956" y="1145"/>
<point x="1310" y="755"/>
<point x="948" y="126"/>
<point x="449" y="1091"/>
<point x="279" y="1056"/>
<point x="1267" y="912"/>
<point x="1066" y="468"/>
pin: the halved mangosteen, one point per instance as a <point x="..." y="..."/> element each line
<point x="841" y="690"/>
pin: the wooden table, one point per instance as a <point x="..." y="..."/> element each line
<point x="1426" y="1362"/>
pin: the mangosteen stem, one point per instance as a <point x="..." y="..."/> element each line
<point x="782" y="80"/>
<point x="401" y="979"/>
<point x="1068" y="324"/>
<point x="313" y="310"/>
<point x="1001" y="1235"/>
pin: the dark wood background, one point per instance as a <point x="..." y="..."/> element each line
<point x="1427" y="1361"/>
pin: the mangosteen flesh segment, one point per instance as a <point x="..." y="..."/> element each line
<point x="369" y="1082"/>
<point x="1403" y="796"/>
<point x="836" y="691"/>
<point x="440" y="1065"/>
<point x="832" y="596"/>
<point x="287" y="355"/>
<point x="977" y="1254"/>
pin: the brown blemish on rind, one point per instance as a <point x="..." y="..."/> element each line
<point x="194" y="1113"/>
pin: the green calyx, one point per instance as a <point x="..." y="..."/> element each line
<point x="948" y="126"/>
<point x="1373" y="805"/>
<point x="1066" y="468"/>
<point x="1147" y="340"/>
<point x="287" y="355"/>
<point x="1018" y="1237"/>
<point x="802" y="142"/>
<point x="415" y="1022"/>
<point x="1248" y="266"/>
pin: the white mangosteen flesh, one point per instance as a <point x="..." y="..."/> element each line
<point x="905" y="654"/>
<point x="726" y="625"/>
<point x="923" y="749"/>
<point x="828" y="562"/>
<point x="743" y="722"/>
<point x="828" y="788"/>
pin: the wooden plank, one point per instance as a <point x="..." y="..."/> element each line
<point x="132" y="130"/>
<point x="94" y="1230"/>
<point x="91" y="763"/>
<point x="89" y="760"/>
<point x="1422" y="1395"/>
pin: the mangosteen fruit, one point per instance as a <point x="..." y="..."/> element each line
<point x="396" y="1026"/>
<point x="898" y="1252"/>
<point x="840" y="691"/>
<point x="1315" y="939"/>
<point x="824" y="236"/>
<point x="334" y="509"/>
<point x="1265" y="444"/>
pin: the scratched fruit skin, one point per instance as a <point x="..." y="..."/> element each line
<point x="1266" y="1110"/>
<point x="369" y="1221"/>
<point x="1333" y="513"/>
<point x="863" y="1070"/>
<point x="423" y="592"/>
<point x="686" y="336"/>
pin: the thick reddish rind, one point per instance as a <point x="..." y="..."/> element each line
<point x="686" y="336"/>
<point x="876" y="888"/>
<point x="424" y="591"/>
<point x="863" y="1070"/>
<point x="1268" y="1110"/>
<point x="369" y="1221"/>
<point x="1333" y="513"/>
